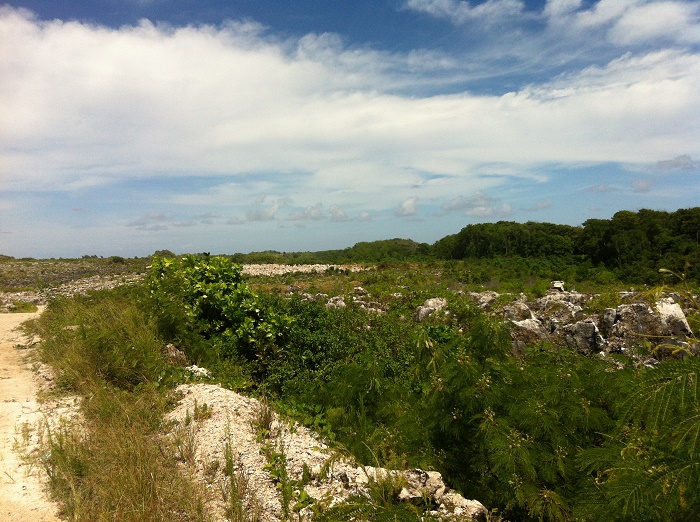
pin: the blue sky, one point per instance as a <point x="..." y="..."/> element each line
<point x="129" y="126"/>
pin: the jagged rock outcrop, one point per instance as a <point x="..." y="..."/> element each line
<point x="584" y="336"/>
<point x="559" y="317"/>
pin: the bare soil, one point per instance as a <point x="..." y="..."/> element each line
<point x="22" y="491"/>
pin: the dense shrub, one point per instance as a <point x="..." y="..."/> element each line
<point x="197" y="298"/>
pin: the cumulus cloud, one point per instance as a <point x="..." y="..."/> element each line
<point x="255" y="122"/>
<point x="338" y="213"/>
<point x="153" y="221"/>
<point x="683" y="162"/>
<point x="407" y="208"/>
<point x="672" y="20"/>
<point x="266" y="212"/>
<point x="312" y="212"/>
<point x="478" y="205"/>
<point x="229" y="101"/>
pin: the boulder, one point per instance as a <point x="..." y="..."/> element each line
<point x="517" y="311"/>
<point x="422" y="484"/>
<point x="175" y="356"/>
<point x="484" y="299"/>
<point x="428" y="308"/>
<point x="635" y="324"/>
<point x="672" y="316"/>
<point x="607" y="321"/>
<point x="557" y="286"/>
<point x="456" y="507"/>
<point x="584" y="336"/>
<point x="527" y="332"/>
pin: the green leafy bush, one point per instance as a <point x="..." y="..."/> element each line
<point x="204" y="297"/>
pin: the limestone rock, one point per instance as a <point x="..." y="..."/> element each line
<point x="558" y="286"/>
<point x="584" y="336"/>
<point x="336" y="302"/>
<point x="607" y="321"/>
<point x="517" y="311"/>
<point x="485" y="299"/>
<point x="175" y="356"/>
<point x="673" y="317"/>
<point x="429" y="307"/>
<point x="457" y="507"/>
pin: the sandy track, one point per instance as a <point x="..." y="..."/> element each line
<point x="22" y="496"/>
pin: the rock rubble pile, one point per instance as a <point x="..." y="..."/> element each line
<point x="325" y="476"/>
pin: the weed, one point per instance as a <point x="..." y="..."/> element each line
<point x="261" y="422"/>
<point x="116" y="465"/>
<point x="22" y="307"/>
<point x="242" y="505"/>
<point x="185" y="442"/>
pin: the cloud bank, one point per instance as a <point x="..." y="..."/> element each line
<point x="314" y="129"/>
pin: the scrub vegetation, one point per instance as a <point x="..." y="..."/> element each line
<point x="543" y="434"/>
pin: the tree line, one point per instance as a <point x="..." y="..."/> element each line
<point x="630" y="246"/>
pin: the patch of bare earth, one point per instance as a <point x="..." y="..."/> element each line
<point x="22" y="492"/>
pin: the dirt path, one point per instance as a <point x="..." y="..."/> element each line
<point x="22" y="497"/>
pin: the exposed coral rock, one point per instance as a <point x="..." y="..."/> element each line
<point x="175" y="356"/>
<point x="336" y="302"/>
<point x="428" y="308"/>
<point x="584" y="336"/>
<point x="333" y="477"/>
<point x="484" y="299"/>
<point x="673" y="317"/>
<point x="517" y="311"/>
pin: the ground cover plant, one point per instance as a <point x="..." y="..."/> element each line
<point x="531" y="434"/>
<point x="116" y="465"/>
<point x="546" y="433"/>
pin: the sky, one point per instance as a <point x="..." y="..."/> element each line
<point x="130" y="126"/>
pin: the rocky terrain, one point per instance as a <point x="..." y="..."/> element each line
<point x="269" y="455"/>
<point x="278" y="466"/>
<point x="63" y="278"/>
<point x="569" y="318"/>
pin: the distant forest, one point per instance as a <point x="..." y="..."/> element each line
<point x="629" y="247"/>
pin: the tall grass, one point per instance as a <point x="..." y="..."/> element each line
<point x="117" y="464"/>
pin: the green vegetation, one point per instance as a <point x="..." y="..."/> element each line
<point x="630" y="247"/>
<point x="531" y="434"/>
<point x="117" y="465"/>
<point x="544" y="434"/>
<point x="33" y="274"/>
<point x="22" y="307"/>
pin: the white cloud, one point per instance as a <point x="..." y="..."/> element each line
<point x="673" y="20"/>
<point x="338" y="213"/>
<point x="460" y="11"/>
<point x="478" y="205"/>
<point x="261" y="212"/>
<point x="683" y="162"/>
<point x="407" y="208"/>
<point x="86" y="105"/>
<point x="274" y="121"/>
<point x="153" y="222"/>
<point x="312" y="213"/>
